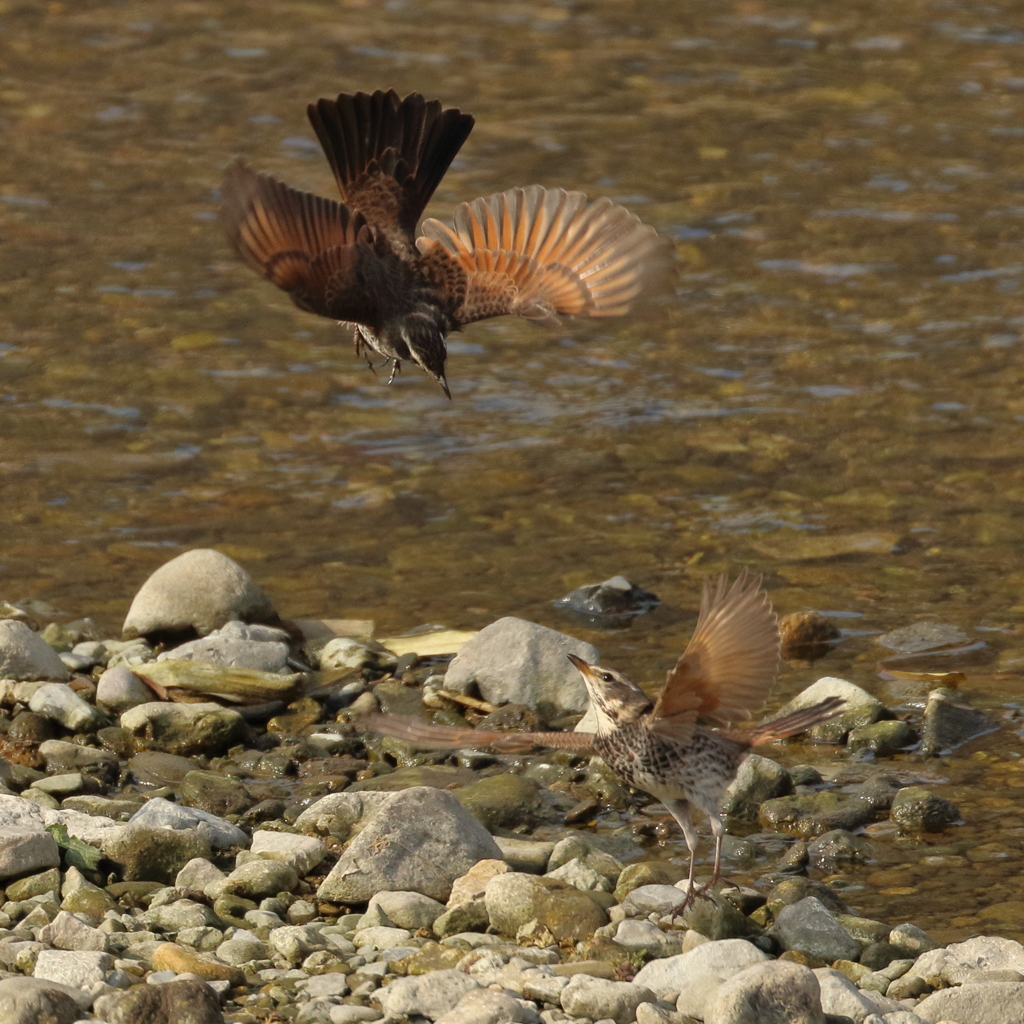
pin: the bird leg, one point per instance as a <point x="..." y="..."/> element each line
<point x="396" y="368"/>
<point x="680" y="810"/>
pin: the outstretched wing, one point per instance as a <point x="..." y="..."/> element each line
<point x="730" y="663"/>
<point x="442" y="737"/>
<point x="307" y="245"/>
<point x="388" y="155"/>
<point x="541" y="252"/>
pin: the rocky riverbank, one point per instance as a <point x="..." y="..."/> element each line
<point x="192" y="828"/>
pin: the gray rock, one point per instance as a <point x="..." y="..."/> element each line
<point x="295" y="942"/>
<point x="62" y="757"/>
<point x="516" y="899"/>
<point x="410" y="910"/>
<point x="525" y="854"/>
<point x="185" y="1001"/>
<point x="36" y="1001"/>
<point x="215" y="793"/>
<point x="949" y="721"/>
<point x="837" y="847"/>
<point x="24" y="850"/>
<point x="242" y="948"/>
<point x="161" y="813"/>
<point x="340" y="815"/>
<point x="776" y="992"/>
<point x="483" y="1006"/>
<point x="324" y="986"/>
<point x="78" y="968"/>
<point x="301" y="853"/>
<point x="577" y="847"/>
<point x="354" y="1014"/>
<point x="861" y="708"/>
<point x="840" y="997"/>
<point x="915" y="809"/>
<point x="997" y="1002"/>
<point x="221" y="650"/>
<point x="519" y="662"/>
<point x="57" y="701"/>
<point x="958" y="962"/>
<point x="646" y="938"/>
<point x="70" y="931"/>
<point x="420" y="840"/>
<point x="154" y="854"/>
<point x="199" y="590"/>
<point x="179" y="915"/>
<point x="673" y="975"/>
<point x="257" y="879"/>
<point x="430" y="995"/>
<point x="598" y="999"/>
<point x="758" y="779"/>
<point x="581" y="876"/>
<point x="183" y="728"/>
<point x="199" y="875"/>
<point x="807" y="926"/>
<point x="119" y="689"/>
<point x="652" y="899"/>
<point x="24" y="655"/>
<point x="912" y="941"/>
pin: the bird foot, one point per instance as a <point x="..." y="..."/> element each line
<point x="396" y="368"/>
<point x="695" y="893"/>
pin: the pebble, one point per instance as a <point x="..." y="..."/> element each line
<point x="24" y="655"/>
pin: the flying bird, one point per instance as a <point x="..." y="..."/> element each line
<point x="533" y="252"/>
<point x="680" y="748"/>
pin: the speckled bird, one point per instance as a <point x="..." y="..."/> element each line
<point x="533" y="252"/>
<point x="680" y="748"/>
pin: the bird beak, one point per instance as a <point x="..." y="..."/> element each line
<point x="584" y="669"/>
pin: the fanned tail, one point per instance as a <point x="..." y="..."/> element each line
<point x="796" y="721"/>
<point x="410" y="139"/>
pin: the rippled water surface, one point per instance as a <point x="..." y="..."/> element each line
<point x="830" y="392"/>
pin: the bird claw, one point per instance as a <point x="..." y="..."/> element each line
<point x="695" y="893"/>
<point x="396" y="368"/>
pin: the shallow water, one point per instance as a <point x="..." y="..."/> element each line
<point x="840" y="355"/>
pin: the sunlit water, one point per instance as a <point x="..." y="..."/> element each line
<point x="840" y="354"/>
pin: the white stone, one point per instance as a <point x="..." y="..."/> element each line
<point x="597" y="998"/>
<point x="774" y="992"/>
<point x="993" y="1002"/>
<point x="960" y="960"/>
<point x="430" y="995"/>
<point x="25" y="850"/>
<point x="302" y="853"/>
<point x="721" y="959"/>
<point x="69" y="931"/>
<point x="381" y="937"/>
<point x="483" y="1006"/>
<point x="161" y="813"/>
<point x="841" y="997"/>
<point x="60" y="703"/>
<point x="120" y="689"/>
<point x="79" y="969"/>
<point x="411" y="910"/>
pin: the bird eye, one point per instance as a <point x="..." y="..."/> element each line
<point x="607" y="677"/>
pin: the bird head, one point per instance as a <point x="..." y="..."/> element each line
<point x="424" y="336"/>
<point x="615" y="700"/>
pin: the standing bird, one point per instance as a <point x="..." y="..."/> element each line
<point x="533" y="252"/>
<point x="668" y="747"/>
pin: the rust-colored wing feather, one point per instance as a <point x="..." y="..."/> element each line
<point x="388" y="154"/>
<point x="442" y="737"/>
<point x="538" y="253"/>
<point x="731" y="661"/>
<point x="309" y="246"/>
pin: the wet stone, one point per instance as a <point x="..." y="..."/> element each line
<point x="807" y="636"/>
<point x="882" y="738"/>
<point x="609" y="605"/>
<point x="758" y="779"/>
<point x="838" y="847"/>
<point x="812" y="814"/>
<point x="183" y="728"/>
<point x="28" y="727"/>
<point x="915" y="809"/>
<point x="503" y="801"/>
<point x="809" y="927"/>
<point x="923" y="636"/>
<point x="949" y="722"/>
<point x="861" y="708"/>
<point x="216" y="793"/>
<point x="63" y="757"/>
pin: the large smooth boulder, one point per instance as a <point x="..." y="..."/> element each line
<point x="513" y="661"/>
<point x="198" y="591"/>
<point x="419" y="840"/>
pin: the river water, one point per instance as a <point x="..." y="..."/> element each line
<point x="830" y="392"/>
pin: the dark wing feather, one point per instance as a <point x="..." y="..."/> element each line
<point x="388" y="155"/>
<point x="307" y="245"/>
<point x="442" y="737"/>
<point x="538" y="253"/>
<point x="731" y="661"/>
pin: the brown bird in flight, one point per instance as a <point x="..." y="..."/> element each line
<point x="532" y="252"/>
<point x="675" y="747"/>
